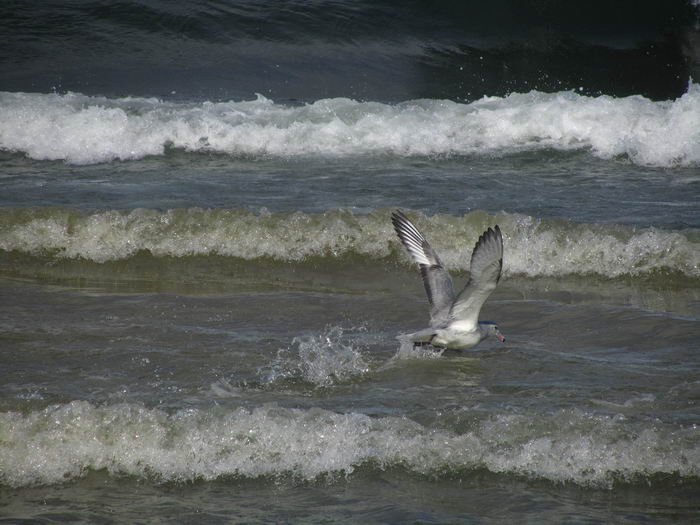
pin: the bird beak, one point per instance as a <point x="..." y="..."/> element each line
<point x="501" y="338"/>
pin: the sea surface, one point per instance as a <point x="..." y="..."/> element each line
<point x="201" y="289"/>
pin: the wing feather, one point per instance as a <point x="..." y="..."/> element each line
<point x="485" y="272"/>
<point x="436" y="279"/>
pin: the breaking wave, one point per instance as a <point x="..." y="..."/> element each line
<point x="64" y="442"/>
<point x="85" y="130"/>
<point x="533" y="247"/>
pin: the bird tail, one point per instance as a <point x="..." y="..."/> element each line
<point x="422" y="337"/>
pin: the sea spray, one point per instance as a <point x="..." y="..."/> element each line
<point x="321" y="359"/>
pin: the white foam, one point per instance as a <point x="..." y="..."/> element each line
<point x="63" y="442"/>
<point x="540" y="248"/>
<point x="81" y="129"/>
<point x="113" y="235"/>
<point x="532" y="247"/>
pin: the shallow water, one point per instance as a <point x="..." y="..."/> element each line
<point x="201" y="293"/>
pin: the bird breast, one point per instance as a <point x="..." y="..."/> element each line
<point x="456" y="340"/>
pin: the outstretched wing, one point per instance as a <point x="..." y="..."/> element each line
<point x="485" y="272"/>
<point x="437" y="281"/>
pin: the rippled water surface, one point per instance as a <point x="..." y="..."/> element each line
<point x="201" y="290"/>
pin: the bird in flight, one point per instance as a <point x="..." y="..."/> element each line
<point x="454" y="319"/>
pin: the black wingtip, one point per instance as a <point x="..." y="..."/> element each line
<point x="490" y="232"/>
<point x="398" y="216"/>
<point x="404" y="227"/>
<point x="398" y="220"/>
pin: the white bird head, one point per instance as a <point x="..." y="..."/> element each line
<point x="489" y="328"/>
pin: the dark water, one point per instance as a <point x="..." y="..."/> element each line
<point x="383" y="51"/>
<point x="200" y="286"/>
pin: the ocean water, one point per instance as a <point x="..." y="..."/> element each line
<point x="201" y="289"/>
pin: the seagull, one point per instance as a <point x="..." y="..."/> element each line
<point x="454" y="320"/>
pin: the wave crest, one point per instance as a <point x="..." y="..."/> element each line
<point x="85" y="130"/>
<point x="63" y="442"/>
<point x="533" y="247"/>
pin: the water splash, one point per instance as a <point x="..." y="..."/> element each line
<point x="321" y="359"/>
<point x="408" y="351"/>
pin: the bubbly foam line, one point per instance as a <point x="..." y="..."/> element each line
<point x="63" y="442"/>
<point x="84" y="130"/>
<point x="533" y="247"/>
